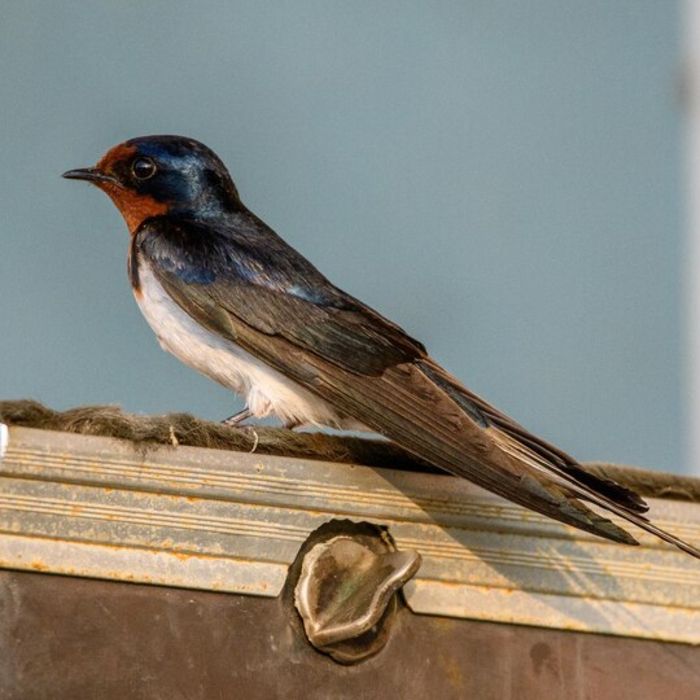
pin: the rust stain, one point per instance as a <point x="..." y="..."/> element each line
<point x="445" y="624"/>
<point x="453" y="671"/>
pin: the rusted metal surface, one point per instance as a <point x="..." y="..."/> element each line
<point x="65" y="638"/>
<point x="234" y="522"/>
<point x="349" y="575"/>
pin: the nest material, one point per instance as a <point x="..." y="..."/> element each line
<point x="184" y="429"/>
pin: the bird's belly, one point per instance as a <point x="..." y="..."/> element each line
<point x="266" y="390"/>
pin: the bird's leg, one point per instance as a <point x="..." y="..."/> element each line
<point x="236" y="419"/>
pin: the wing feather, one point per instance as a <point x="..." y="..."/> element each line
<point x="368" y="369"/>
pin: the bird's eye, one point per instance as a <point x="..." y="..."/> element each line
<point x="143" y="168"/>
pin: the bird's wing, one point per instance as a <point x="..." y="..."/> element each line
<point x="272" y="288"/>
<point x="368" y="369"/>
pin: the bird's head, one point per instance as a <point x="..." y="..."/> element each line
<point x="155" y="175"/>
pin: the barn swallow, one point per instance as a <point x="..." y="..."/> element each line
<point x="228" y="297"/>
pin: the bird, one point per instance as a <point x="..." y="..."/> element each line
<point x="230" y="298"/>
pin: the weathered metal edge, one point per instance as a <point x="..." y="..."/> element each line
<point x="141" y="565"/>
<point x="616" y="617"/>
<point x="216" y="520"/>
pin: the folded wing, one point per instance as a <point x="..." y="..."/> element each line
<point x="369" y="369"/>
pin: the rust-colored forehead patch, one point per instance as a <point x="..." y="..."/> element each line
<point x="118" y="154"/>
<point x="134" y="207"/>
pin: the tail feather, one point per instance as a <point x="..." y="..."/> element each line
<point x="556" y="459"/>
<point x="551" y="462"/>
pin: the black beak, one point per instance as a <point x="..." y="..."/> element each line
<point x="89" y="174"/>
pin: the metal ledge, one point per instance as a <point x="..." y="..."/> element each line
<point x="230" y="521"/>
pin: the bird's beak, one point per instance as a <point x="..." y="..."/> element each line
<point x="89" y="174"/>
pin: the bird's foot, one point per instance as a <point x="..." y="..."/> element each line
<point x="293" y="424"/>
<point x="237" y="419"/>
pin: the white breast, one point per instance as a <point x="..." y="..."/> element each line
<point x="265" y="390"/>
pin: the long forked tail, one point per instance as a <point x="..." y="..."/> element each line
<point x="557" y="465"/>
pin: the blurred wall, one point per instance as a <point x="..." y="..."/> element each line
<point x="503" y="179"/>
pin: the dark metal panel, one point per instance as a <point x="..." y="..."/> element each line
<point x="67" y="638"/>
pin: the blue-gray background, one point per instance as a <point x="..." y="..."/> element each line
<point x="503" y="179"/>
